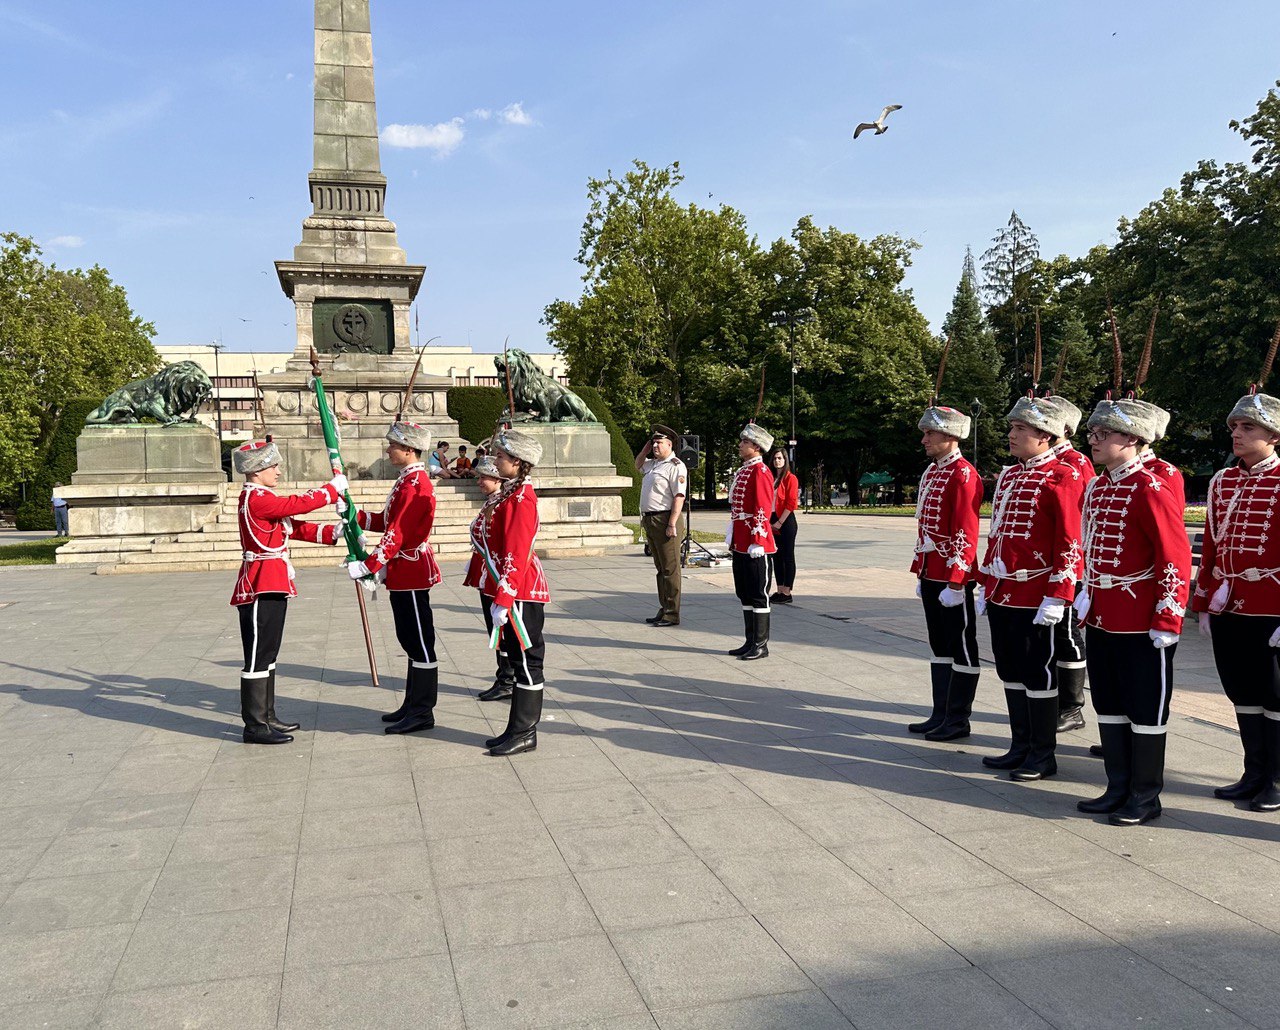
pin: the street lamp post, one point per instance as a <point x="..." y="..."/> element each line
<point x="790" y="319"/>
<point x="975" y="409"/>
<point x="217" y="390"/>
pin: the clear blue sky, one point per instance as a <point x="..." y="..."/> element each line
<point x="170" y="142"/>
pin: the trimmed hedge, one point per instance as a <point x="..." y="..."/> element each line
<point x="478" y="408"/>
<point x="56" y="465"/>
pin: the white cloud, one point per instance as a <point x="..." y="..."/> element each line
<point x="514" y="114"/>
<point x="288" y="77"/>
<point x="67" y="242"/>
<point x="443" y="137"/>
<point x="483" y="113"/>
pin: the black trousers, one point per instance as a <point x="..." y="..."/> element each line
<point x="784" y="562"/>
<point x="504" y="672"/>
<point x="1024" y="652"/>
<point x="1068" y="647"/>
<point x="1131" y="679"/>
<point x="261" y="630"/>
<point x="1247" y="663"/>
<point x="752" y="580"/>
<point x="953" y="632"/>
<point x="525" y="662"/>
<point x="415" y="627"/>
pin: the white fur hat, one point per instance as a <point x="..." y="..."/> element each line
<point x="1260" y="408"/>
<point x="521" y="446"/>
<point x="411" y="435"/>
<point x="1035" y="413"/>
<point x="756" y="435"/>
<point x="255" y="456"/>
<point x="1065" y="413"/>
<point x="486" y="467"/>
<point x="941" y="419"/>
<point x="1128" y="415"/>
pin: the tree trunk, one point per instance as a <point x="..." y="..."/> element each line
<point x="708" y="470"/>
<point x="854" y="472"/>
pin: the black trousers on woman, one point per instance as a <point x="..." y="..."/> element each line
<point x="526" y="663"/>
<point x="784" y="562"/>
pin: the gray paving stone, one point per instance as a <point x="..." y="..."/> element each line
<point x="486" y="915"/>
<point x="209" y="946"/>
<point x="248" y="1002"/>
<point x="460" y="817"/>
<point x="400" y="993"/>
<point x="641" y="896"/>
<point x="351" y="872"/>
<point x="362" y="762"/>
<point x="962" y="999"/>
<point x="767" y="880"/>
<point x="100" y="852"/>
<point x="39" y="967"/>
<point x="856" y="821"/>
<point x="902" y="866"/>
<point x="131" y="813"/>
<point x="232" y="804"/>
<point x="550" y="982"/>
<point x="253" y="838"/>
<point x="372" y="927"/>
<point x="726" y="830"/>
<point x="692" y="964"/>
<point x="1035" y="851"/>
<point x="64" y="902"/>
<point x="360" y="792"/>
<point x="490" y="858"/>
<point x="18" y="791"/>
<point x="330" y="830"/>
<point x="672" y="796"/>
<point x="63" y="1013"/>
<point x="808" y="1009"/>
<point x="222" y="886"/>
<point x="636" y="842"/>
<point x="449" y="783"/>
<point x="615" y="802"/>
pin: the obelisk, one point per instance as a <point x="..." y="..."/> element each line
<point x="349" y="279"/>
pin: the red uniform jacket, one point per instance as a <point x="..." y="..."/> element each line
<point x="751" y="507"/>
<point x="506" y="529"/>
<point x="1137" y="558"/>
<point x="1240" y="558"/>
<point x="1068" y="455"/>
<point x="787" y="495"/>
<point x="947" y="508"/>
<point x="265" y="528"/>
<point x="405" y="524"/>
<point x="1033" y="548"/>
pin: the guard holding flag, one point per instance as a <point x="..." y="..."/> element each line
<point x="265" y="583"/>
<point x="404" y="560"/>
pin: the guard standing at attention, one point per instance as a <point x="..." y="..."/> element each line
<point x="662" y="497"/>
<point x="750" y="540"/>
<point x="1238" y="593"/>
<point x="404" y="560"/>
<point x="1137" y="570"/>
<point x="265" y="583"/>
<point x="489" y="480"/>
<point x="1032" y="565"/>
<point x="948" y="504"/>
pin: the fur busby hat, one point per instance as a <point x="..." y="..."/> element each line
<point x="485" y="467"/>
<point x="521" y="446"/>
<point x="756" y="434"/>
<point x="939" y="418"/>
<point x="1129" y="415"/>
<point x="255" y="456"/>
<point x="1037" y="414"/>
<point x="1065" y="414"/>
<point x="411" y="435"/>
<point x="1259" y="408"/>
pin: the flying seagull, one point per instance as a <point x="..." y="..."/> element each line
<point x="878" y="124"/>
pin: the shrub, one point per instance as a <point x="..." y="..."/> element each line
<point x="477" y="410"/>
<point x="56" y="465"/>
<point x="624" y="458"/>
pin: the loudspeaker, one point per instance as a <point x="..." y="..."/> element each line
<point x="690" y="451"/>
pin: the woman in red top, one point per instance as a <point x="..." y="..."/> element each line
<point x="505" y="569"/>
<point x="786" y="501"/>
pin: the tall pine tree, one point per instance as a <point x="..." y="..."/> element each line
<point x="1007" y="268"/>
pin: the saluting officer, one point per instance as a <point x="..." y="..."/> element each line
<point x="404" y="560"/>
<point x="1238" y="593"/>
<point x="1137" y="572"/>
<point x="265" y="584"/>
<point x="1030" y="571"/>
<point x="662" y="494"/>
<point x="948" y="503"/>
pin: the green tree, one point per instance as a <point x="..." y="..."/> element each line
<point x="1007" y="268"/>
<point x="63" y="334"/>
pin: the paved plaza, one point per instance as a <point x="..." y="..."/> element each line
<point x="697" y="842"/>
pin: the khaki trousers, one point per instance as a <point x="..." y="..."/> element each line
<point x="666" y="560"/>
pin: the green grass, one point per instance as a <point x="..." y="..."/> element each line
<point x="874" y="509"/>
<point x="36" y="552"/>
<point x="700" y="536"/>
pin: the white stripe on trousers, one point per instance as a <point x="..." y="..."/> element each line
<point x="430" y="663"/>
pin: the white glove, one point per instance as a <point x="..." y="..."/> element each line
<point x="755" y="551"/>
<point x="1162" y="640"/>
<point x="1275" y="638"/>
<point x="980" y="600"/>
<point x="1081" y="604"/>
<point x="1220" y="597"/>
<point x="500" y="614"/>
<point x="357" y="570"/>
<point x="950" y="597"/>
<point x="728" y="535"/>
<point x="1052" y="610"/>
<point x="919" y="589"/>
<point x="341" y="506"/>
<point x="339" y="483"/>
<point x="1204" y="629"/>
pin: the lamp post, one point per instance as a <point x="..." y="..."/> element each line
<point x="217" y="389"/>
<point x="975" y="409"/>
<point x="791" y="319"/>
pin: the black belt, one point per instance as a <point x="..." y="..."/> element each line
<point x="648" y="513"/>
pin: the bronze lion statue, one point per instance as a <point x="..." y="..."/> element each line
<point x="172" y="395"/>
<point x="538" y="397"/>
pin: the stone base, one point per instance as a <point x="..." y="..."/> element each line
<point x="183" y="453"/>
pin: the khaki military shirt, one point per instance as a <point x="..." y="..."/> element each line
<point x="664" y="481"/>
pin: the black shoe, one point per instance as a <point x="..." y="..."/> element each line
<point x="1146" y="782"/>
<point x="412" y="723"/>
<point x="281" y="727"/>
<point x="264" y="734"/>
<point x="515" y="744"/>
<point x="272" y="720"/>
<point x="1027" y="773"/>
<point x="1015" y="701"/>
<point x="1040" y="762"/>
<point x="495" y="741"/>
<point x="1268" y="799"/>
<point x="1070" y="719"/>
<point x="497" y="692"/>
<point x="776" y="596"/>
<point x="397" y="715"/>
<point x="254" y="692"/>
<point x="759" y="637"/>
<point x="944" y="733"/>
<point x="784" y="598"/>
<point x="1008" y="760"/>
<point x="758" y="651"/>
<point x="1096" y="750"/>
<point x="655" y="618"/>
<point x="666" y="622"/>
<point x="1117" y="757"/>
<point x="1134" y="814"/>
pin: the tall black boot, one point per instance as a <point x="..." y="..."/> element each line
<point x="422" y="689"/>
<point x="1040" y="762"/>
<point x="1253" y="738"/>
<point x="522" y="726"/>
<point x="960" y="692"/>
<point x="939" y="680"/>
<point x="399" y="713"/>
<point x="1070" y="698"/>
<point x="1268" y="799"/>
<point x="760" y="646"/>
<point x="253" y="709"/>
<point x="504" y="681"/>
<point x="1019" y="730"/>
<point x="1143" y="802"/>
<point x="749" y="631"/>
<point x="272" y="720"/>
<point x="1117" y="760"/>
